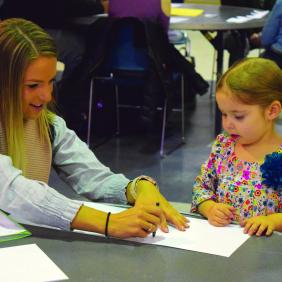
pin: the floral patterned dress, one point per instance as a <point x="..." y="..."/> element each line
<point x="226" y="179"/>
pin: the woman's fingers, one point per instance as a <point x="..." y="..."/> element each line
<point x="179" y="221"/>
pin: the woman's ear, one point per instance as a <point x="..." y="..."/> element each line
<point x="273" y="110"/>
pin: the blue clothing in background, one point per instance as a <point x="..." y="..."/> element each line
<point x="271" y="37"/>
<point x="272" y="31"/>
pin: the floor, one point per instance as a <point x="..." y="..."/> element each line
<point x="135" y="154"/>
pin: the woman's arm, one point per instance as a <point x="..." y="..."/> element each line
<point x="77" y="165"/>
<point x="82" y="170"/>
<point x="33" y="201"/>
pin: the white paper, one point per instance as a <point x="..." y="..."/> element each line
<point x="174" y="20"/>
<point x="200" y="237"/>
<point x="8" y="227"/>
<point x="28" y="263"/>
<point x="255" y="14"/>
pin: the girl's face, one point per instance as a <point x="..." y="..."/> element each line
<point x="247" y="123"/>
<point x="38" y="86"/>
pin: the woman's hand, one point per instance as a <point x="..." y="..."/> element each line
<point x="255" y="40"/>
<point x="138" y="221"/>
<point x="148" y="196"/>
<point x="263" y="224"/>
<point x="218" y="214"/>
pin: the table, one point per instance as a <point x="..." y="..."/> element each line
<point x="216" y="22"/>
<point x="84" y="257"/>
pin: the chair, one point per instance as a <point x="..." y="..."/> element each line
<point x="128" y="64"/>
<point x="182" y="41"/>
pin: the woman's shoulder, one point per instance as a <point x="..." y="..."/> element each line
<point x="58" y="121"/>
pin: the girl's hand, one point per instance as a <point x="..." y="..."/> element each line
<point x="138" y="221"/>
<point x="149" y="195"/>
<point x="220" y="214"/>
<point x="259" y="225"/>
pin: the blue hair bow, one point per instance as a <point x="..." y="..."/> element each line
<point x="271" y="171"/>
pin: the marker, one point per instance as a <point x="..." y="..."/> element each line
<point x="154" y="233"/>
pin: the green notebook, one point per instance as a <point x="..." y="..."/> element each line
<point x="10" y="229"/>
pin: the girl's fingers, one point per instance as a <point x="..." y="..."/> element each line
<point x="221" y="215"/>
<point x="226" y="211"/>
<point x="269" y="231"/>
<point x="251" y="228"/>
<point x="261" y="229"/>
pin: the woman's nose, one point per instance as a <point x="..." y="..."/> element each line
<point x="46" y="94"/>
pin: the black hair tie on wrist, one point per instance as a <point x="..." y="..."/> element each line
<point x="107" y="224"/>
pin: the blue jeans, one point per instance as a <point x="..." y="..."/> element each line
<point x="276" y="57"/>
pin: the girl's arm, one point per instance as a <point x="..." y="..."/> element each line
<point x="276" y="218"/>
<point x="263" y="224"/>
<point x="204" y="188"/>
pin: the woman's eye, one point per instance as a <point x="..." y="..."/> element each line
<point x="239" y="117"/>
<point x="32" y="86"/>
<point x="52" y="81"/>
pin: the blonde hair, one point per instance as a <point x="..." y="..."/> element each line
<point x="21" y="42"/>
<point x="254" y="81"/>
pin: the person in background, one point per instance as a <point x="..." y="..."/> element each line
<point x="241" y="180"/>
<point x="33" y="138"/>
<point x="159" y="12"/>
<point x="57" y="19"/>
<point x="238" y="42"/>
<point x="271" y="36"/>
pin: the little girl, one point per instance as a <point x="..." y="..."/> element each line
<point x="231" y="184"/>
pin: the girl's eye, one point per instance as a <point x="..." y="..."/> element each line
<point x="239" y="117"/>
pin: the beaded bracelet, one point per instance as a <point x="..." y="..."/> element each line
<point x="107" y="224"/>
<point x="133" y="184"/>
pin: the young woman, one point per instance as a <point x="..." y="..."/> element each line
<point x="32" y="139"/>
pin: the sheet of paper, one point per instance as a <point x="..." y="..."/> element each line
<point x="186" y="12"/>
<point x="200" y="237"/>
<point x="28" y="263"/>
<point x="10" y="230"/>
<point x="178" y="19"/>
<point x="253" y="15"/>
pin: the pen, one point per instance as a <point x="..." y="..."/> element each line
<point x="154" y="233"/>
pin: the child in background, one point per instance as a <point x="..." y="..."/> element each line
<point x="230" y="185"/>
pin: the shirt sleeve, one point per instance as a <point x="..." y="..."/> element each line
<point x="33" y="201"/>
<point x="77" y="165"/>
<point x="272" y="26"/>
<point x="205" y="185"/>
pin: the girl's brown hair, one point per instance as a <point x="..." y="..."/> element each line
<point x="254" y="81"/>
